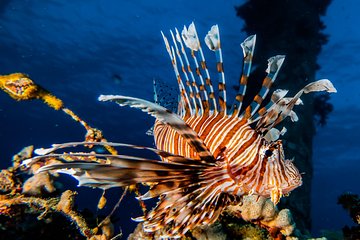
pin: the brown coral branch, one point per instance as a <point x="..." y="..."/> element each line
<point x="64" y="205"/>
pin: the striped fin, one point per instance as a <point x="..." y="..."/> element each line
<point x="248" y="47"/>
<point x="48" y="152"/>
<point x="276" y="96"/>
<point x="274" y="65"/>
<point x="187" y="205"/>
<point x="212" y="40"/>
<point x="194" y="108"/>
<point x="167" y="117"/>
<point x="122" y="171"/>
<point x="192" y="77"/>
<point x="191" y="40"/>
<point x="208" y="82"/>
<point x="190" y="196"/>
<point x="186" y="105"/>
<point x="283" y="107"/>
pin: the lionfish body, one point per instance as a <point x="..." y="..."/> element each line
<point x="211" y="154"/>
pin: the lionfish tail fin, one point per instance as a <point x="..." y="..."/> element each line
<point x="281" y="107"/>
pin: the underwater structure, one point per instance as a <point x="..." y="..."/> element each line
<point x="294" y="29"/>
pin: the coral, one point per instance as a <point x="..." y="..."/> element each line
<point x="107" y="231"/>
<point x="213" y="232"/>
<point x="24" y="153"/>
<point x="38" y="183"/>
<point x="20" y="87"/>
<point x="16" y="194"/>
<point x="282" y="221"/>
<point x="262" y="211"/>
<point x="247" y="232"/>
<point x="64" y="205"/>
<point x="102" y="202"/>
<point x="7" y="182"/>
<point x="140" y="234"/>
<point x="254" y="209"/>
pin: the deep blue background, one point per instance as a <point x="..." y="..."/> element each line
<point x="74" y="49"/>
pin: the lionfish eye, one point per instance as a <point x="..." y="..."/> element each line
<point x="268" y="153"/>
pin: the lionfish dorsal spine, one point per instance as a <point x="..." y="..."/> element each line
<point x="248" y="47"/>
<point x="213" y="105"/>
<point x="199" y="109"/>
<point x="281" y="106"/>
<point x="274" y="65"/>
<point x="193" y="108"/>
<point x="212" y="40"/>
<point x="191" y="40"/>
<point x="200" y="89"/>
<point x="184" y="96"/>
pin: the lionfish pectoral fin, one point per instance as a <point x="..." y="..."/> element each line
<point x="166" y="116"/>
<point x="186" y="199"/>
<point x="123" y="172"/>
<point x="44" y="153"/>
<point x="78" y="170"/>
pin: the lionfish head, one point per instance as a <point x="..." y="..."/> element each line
<point x="280" y="176"/>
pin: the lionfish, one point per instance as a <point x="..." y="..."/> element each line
<point x="212" y="153"/>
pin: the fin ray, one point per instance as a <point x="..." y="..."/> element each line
<point x="167" y="117"/>
<point x="248" y="47"/>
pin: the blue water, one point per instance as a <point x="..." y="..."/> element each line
<point x="80" y="50"/>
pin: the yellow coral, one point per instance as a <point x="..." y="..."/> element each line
<point x="102" y="202"/>
<point x="263" y="212"/>
<point x="51" y="100"/>
<point x="36" y="184"/>
<point x="20" y="87"/>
